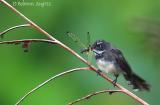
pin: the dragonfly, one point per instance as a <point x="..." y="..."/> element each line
<point x="85" y="48"/>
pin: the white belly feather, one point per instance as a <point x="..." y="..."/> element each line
<point x="107" y="67"/>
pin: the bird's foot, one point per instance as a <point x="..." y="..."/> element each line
<point x="99" y="72"/>
<point x="114" y="82"/>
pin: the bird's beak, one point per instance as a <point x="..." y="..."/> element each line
<point x="92" y="48"/>
<point x="95" y="51"/>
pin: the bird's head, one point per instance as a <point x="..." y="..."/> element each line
<point x="100" y="46"/>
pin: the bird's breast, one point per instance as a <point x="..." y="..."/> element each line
<point x="107" y="66"/>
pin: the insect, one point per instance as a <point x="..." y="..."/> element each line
<point x="85" y="48"/>
<point x="88" y="48"/>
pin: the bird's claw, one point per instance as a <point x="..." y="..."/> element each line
<point x="114" y="82"/>
<point x="99" y="72"/>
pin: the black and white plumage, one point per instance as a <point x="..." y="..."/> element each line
<point x="111" y="60"/>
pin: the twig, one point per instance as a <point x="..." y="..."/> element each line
<point x="12" y="28"/>
<point x="138" y="99"/>
<point x="27" y="40"/>
<point x="28" y="20"/>
<point x="50" y="79"/>
<point x="94" y="94"/>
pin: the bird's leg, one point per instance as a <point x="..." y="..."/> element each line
<point x="115" y="80"/>
<point x="99" y="72"/>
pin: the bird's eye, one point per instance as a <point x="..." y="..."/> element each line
<point x="99" y="45"/>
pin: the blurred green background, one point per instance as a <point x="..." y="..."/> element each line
<point x="131" y="25"/>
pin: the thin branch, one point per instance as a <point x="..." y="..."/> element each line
<point x="50" y="79"/>
<point x="94" y="94"/>
<point x="138" y="99"/>
<point x="27" y="40"/>
<point x="12" y="28"/>
<point x="28" y="20"/>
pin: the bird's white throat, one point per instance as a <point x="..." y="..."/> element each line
<point x="97" y="52"/>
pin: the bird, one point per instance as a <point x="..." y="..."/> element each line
<point x="110" y="59"/>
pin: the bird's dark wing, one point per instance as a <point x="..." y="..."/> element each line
<point x="121" y="61"/>
<point x="136" y="81"/>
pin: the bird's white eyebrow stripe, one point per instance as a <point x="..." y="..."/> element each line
<point x="99" y="42"/>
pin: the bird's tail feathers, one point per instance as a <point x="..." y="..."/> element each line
<point x="137" y="82"/>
